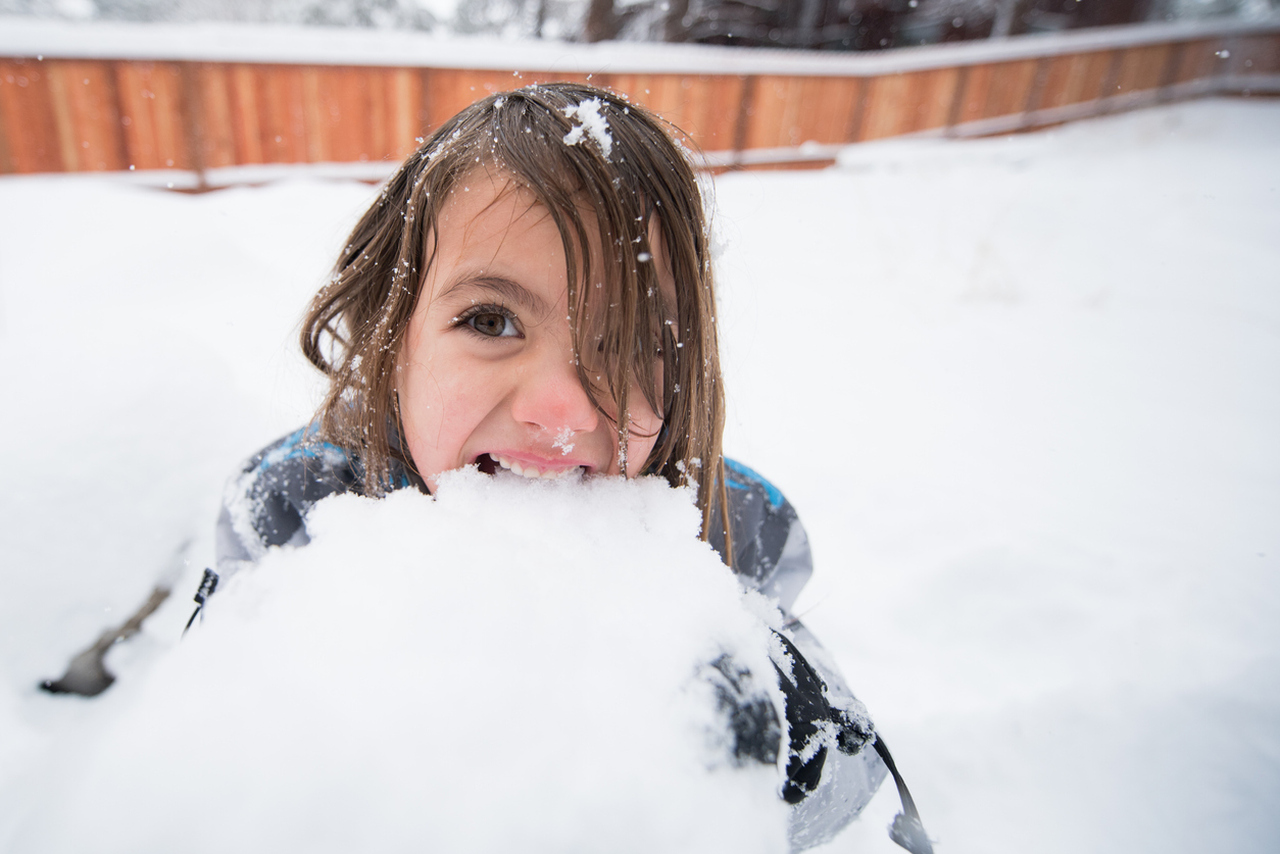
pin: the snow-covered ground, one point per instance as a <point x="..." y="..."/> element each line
<point x="1025" y="393"/>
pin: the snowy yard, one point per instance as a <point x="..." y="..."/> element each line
<point x="1024" y="392"/>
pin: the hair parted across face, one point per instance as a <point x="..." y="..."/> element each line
<point x="625" y="201"/>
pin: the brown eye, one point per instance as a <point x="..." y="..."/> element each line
<point x="492" y="324"/>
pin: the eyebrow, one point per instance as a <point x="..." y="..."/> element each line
<point x="507" y="289"/>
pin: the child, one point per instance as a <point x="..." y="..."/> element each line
<point x="532" y="291"/>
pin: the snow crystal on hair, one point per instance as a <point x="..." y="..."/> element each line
<point x="590" y="121"/>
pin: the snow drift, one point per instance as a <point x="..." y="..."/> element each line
<point x="1023" y="392"/>
<point x="512" y="666"/>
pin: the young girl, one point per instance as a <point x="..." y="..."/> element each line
<point x="532" y="291"/>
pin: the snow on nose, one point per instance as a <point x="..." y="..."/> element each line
<point x="564" y="441"/>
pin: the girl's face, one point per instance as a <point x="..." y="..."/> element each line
<point x="487" y="374"/>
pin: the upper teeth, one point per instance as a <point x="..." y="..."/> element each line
<point x="532" y="471"/>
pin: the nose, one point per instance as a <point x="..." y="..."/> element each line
<point x="549" y="395"/>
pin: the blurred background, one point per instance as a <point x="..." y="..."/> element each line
<point x="1000" y="313"/>
<point x="806" y="24"/>
<point x="207" y="86"/>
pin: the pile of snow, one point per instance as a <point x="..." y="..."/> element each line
<point x="513" y="666"/>
<point x="1023" y="392"/>
<point x="1036" y="380"/>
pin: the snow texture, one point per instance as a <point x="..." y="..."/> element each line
<point x="589" y="122"/>
<point x="513" y="665"/>
<point x="1024" y="393"/>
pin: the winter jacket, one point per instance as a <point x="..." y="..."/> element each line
<point x="830" y="776"/>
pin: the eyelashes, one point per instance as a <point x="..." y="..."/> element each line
<point x="489" y="321"/>
<point x="492" y="321"/>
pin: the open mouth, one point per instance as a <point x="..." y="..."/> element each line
<point x="494" y="463"/>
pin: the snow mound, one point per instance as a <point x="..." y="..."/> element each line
<point x="509" y="667"/>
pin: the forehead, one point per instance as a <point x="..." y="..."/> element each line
<point x="491" y="223"/>
<point x="487" y="207"/>
<point x="493" y="242"/>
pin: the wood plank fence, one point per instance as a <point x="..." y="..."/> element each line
<point x="69" y="113"/>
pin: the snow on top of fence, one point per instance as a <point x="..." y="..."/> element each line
<point x="263" y="43"/>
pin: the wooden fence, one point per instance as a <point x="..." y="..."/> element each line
<point x="92" y="112"/>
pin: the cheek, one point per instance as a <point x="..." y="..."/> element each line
<point x="420" y="409"/>
<point x="424" y="402"/>
<point x="444" y="397"/>
<point x="433" y="408"/>
<point x="413" y="371"/>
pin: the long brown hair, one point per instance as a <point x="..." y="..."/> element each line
<point x="622" y="182"/>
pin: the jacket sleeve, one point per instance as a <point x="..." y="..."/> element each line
<point x="832" y="770"/>
<point x="266" y="502"/>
